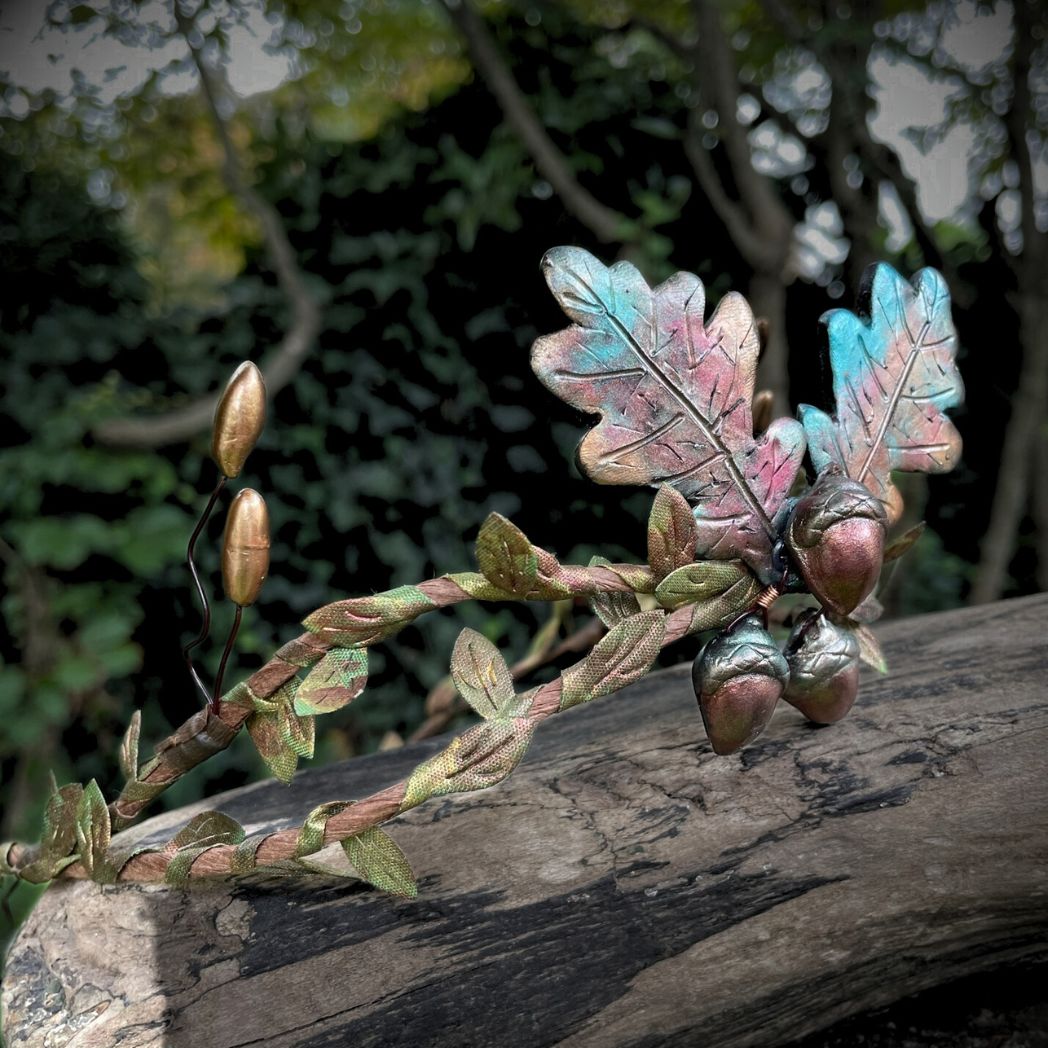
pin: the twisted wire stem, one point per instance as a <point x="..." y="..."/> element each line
<point x="205" y="626"/>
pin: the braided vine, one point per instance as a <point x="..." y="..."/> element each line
<point x="325" y="669"/>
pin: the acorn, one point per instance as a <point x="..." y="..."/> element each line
<point x="738" y="678"/>
<point x="245" y="548"/>
<point x="239" y="418"/>
<point x="824" y="668"/>
<point x="835" y="535"/>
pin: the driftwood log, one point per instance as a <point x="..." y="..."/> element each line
<point x="623" y="888"/>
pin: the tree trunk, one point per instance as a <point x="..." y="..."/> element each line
<point x="624" y="888"/>
<point x="1029" y="410"/>
<point x="767" y="295"/>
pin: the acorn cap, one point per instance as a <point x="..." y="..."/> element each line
<point x="824" y="669"/>
<point x="239" y="418"/>
<point x="836" y="538"/>
<point x="245" y="548"/>
<point x="738" y="679"/>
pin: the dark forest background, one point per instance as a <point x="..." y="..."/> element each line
<point x="372" y="228"/>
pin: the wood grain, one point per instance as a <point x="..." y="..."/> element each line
<point x="624" y="888"/>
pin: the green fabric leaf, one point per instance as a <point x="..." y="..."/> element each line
<point x="298" y="732"/>
<point x="481" y="675"/>
<point x="903" y="543"/>
<point x="311" y="836"/>
<point x="509" y="561"/>
<point x="619" y="659"/>
<point x="672" y="533"/>
<point x="93" y="834"/>
<point x="727" y="581"/>
<point x="612" y="608"/>
<point x="480" y="758"/>
<point x="58" y="837"/>
<point x="208" y="829"/>
<point x="266" y="732"/>
<point x="335" y="681"/>
<point x="870" y="650"/>
<point x="129" y="747"/>
<point x="379" y="861"/>
<point x="362" y="621"/>
<point x="479" y="588"/>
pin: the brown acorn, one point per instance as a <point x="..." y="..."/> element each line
<point x="824" y="668"/>
<point x="239" y="418"/>
<point x="738" y="678"/>
<point x="245" y="548"/>
<point x="836" y="537"/>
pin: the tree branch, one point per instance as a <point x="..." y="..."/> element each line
<point x="606" y="224"/>
<point x="281" y="367"/>
<point x="717" y="80"/>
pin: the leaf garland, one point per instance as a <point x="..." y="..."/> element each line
<point x="894" y="375"/>
<point x="674" y="395"/>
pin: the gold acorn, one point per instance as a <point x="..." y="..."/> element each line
<point x="245" y="548"/>
<point x="239" y="418"/>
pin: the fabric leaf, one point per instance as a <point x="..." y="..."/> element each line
<point x="902" y="545"/>
<point x="377" y="858"/>
<point x="58" y="838"/>
<point x="93" y="832"/>
<point x="870" y="650"/>
<point x="207" y="829"/>
<point x="273" y="747"/>
<point x="674" y="395"/>
<point x="709" y="580"/>
<point x="481" y="757"/>
<point x="361" y="621"/>
<point x="481" y="675"/>
<point x="672" y="533"/>
<point x="299" y="733"/>
<point x="129" y="747"/>
<point x="893" y="377"/>
<point x="335" y="681"/>
<point x="621" y="657"/>
<point x="509" y="561"/>
<point x="616" y="606"/>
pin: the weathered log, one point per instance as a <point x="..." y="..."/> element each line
<point x="624" y="887"/>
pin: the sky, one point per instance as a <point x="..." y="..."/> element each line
<point x="35" y="57"/>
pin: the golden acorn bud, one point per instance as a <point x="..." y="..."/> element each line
<point x="239" y="418"/>
<point x="245" y="548"/>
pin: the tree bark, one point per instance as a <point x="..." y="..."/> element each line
<point x="624" y="888"/>
<point x="1030" y="400"/>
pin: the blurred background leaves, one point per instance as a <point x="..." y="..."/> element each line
<point x="417" y="159"/>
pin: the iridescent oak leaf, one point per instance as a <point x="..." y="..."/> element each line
<point x="893" y="377"/>
<point x="675" y="398"/>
